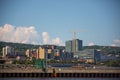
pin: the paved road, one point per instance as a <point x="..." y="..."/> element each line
<point x="30" y="68"/>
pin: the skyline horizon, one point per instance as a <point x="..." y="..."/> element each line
<point x="45" y="35"/>
<point x="58" y="45"/>
<point x="51" y="22"/>
<point x="92" y="44"/>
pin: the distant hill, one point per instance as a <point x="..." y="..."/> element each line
<point x="24" y="47"/>
<point x="17" y="46"/>
<point x="105" y="49"/>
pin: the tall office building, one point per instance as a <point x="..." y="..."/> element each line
<point x="72" y="45"/>
<point x="3" y="52"/>
<point x="88" y="55"/>
<point x="78" y="45"/>
<point x="41" y="53"/>
<point x="68" y="46"/>
<point x="27" y="53"/>
<point x="8" y="51"/>
<point x="50" y="54"/>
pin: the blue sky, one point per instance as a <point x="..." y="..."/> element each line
<point x="57" y="18"/>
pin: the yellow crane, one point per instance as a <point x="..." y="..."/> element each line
<point x="75" y="31"/>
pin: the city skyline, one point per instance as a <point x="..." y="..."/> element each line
<point x="51" y="22"/>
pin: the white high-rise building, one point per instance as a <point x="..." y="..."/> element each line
<point x="3" y="52"/>
<point x="7" y="51"/>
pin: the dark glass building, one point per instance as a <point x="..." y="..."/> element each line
<point x="68" y="46"/>
<point x="71" y="45"/>
<point x="89" y="55"/>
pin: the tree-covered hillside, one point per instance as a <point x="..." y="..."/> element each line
<point x="24" y="47"/>
<point x="17" y="46"/>
<point x="105" y="49"/>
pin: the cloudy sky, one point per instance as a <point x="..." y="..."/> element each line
<point x="52" y="21"/>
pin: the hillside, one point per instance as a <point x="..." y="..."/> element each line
<point x="24" y="47"/>
<point x="105" y="49"/>
<point x="17" y="46"/>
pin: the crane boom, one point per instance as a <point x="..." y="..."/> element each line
<point x="74" y="42"/>
<point x="75" y="31"/>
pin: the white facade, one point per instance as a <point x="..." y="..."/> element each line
<point x="7" y="50"/>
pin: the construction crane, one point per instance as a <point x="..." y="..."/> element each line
<point x="75" y="31"/>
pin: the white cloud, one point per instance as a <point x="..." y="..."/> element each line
<point x="9" y="33"/>
<point x="91" y="44"/>
<point x="46" y="37"/>
<point x="19" y="34"/>
<point x="116" y="42"/>
<point x="113" y="45"/>
<point x="56" y="41"/>
<point x="47" y="40"/>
